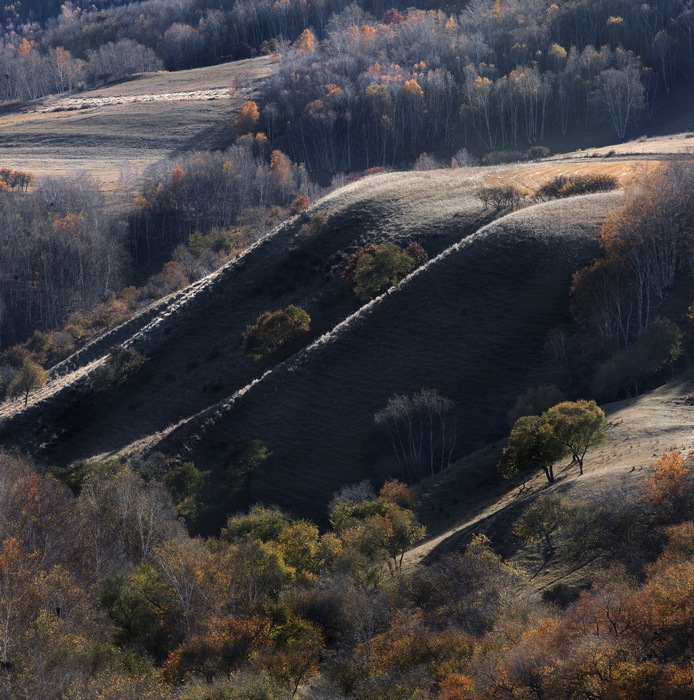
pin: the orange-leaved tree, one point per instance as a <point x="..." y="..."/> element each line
<point x="670" y="488"/>
<point x="248" y="118"/>
<point x="306" y="41"/>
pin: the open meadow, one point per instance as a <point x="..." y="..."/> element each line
<point x="114" y="131"/>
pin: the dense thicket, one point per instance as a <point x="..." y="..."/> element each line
<point x="104" y="595"/>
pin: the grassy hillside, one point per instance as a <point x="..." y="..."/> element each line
<point x="472" y="324"/>
<point x="192" y="339"/>
<point x="139" y="121"/>
<point x="639" y="431"/>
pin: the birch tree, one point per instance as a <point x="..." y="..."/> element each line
<point x="421" y="429"/>
<point x="621" y="95"/>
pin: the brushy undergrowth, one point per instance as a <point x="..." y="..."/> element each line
<point x="574" y="185"/>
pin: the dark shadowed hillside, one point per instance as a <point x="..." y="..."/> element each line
<point x="192" y="339"/>
<point x="471" y="324"/>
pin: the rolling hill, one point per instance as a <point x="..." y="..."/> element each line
<point x="192" y="339"/>
<point x="472" y="323"/>
<point x="470" y="499"/>
<point x="137" y="121"/>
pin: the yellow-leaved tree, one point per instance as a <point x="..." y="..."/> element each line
<point x="306" y="41"/>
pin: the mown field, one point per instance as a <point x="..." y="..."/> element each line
<point x="135" y="122"/>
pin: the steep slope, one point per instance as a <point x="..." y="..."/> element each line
<point x="639" y="431"/>
<point x="472" y="324"/>
<point x="192" y="339"/>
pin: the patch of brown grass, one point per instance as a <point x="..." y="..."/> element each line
<point x="528" y="178"/>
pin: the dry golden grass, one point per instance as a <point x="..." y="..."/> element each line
<point x="674" y="145"/>
<point x="529" y="177"/>
<point x="139" y="121"/>
<point x="628" y="162"/>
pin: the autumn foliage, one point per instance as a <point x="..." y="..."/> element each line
<point x="105" y="588"/>
<point x="16" y="179"/>
<point x="248" y="118"/>
<point x="275" y="330"/>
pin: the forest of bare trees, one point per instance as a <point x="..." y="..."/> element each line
<point x="206" y="191"/>
<point x="381" y="83"/>
<point x="60" y="254"/>
<point x="492" y="76"/>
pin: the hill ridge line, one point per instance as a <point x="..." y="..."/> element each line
<point x="208" y="416"/>
<point x="75" y="370"/>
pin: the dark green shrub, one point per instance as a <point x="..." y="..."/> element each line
<point x="377" y="272"/>
<point x="273" y="330"/>
<point x="121" y="364"/>
<point x="543" y="519"/>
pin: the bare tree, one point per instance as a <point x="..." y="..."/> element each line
<point x="421" y="429"/>
<point x="620" y="92"/>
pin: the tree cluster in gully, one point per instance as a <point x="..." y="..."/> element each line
<point x="645" y="245"/>
<point x="104" y="595"/>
